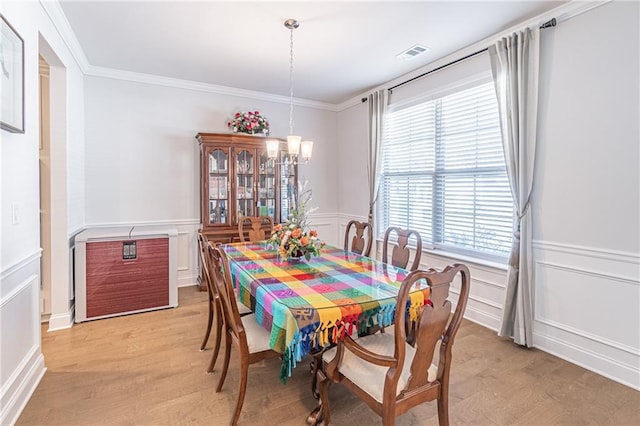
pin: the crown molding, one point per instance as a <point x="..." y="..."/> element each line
<point x="62" y="26"/>
<point x="53" y="9"/>
<point x="562" y="13"/>
<point x="201" y="87"/>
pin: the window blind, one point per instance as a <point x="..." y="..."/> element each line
<point x="443" y="173"/>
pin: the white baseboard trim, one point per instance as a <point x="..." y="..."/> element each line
<point x="62" y="321"/>
<point x="588" y="359"/>
<point x="187" y="281"/>
<point x="482" y="318"/>
<point x="29" y="375"/>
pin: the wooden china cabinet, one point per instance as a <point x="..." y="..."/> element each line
<point x="238" y="179"/>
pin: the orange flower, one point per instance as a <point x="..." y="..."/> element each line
<point x="296" y="233"/>
<point x="304" y="241"/>
<point x="278" y="227"/>
<point x="313" y="233"/>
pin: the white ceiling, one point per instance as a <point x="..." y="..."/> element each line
<point x="341" y="49"/>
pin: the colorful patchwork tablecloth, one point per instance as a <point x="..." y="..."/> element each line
<point x="310" y="304"/>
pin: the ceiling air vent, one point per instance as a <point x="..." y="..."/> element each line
<point x="412" y="52"/>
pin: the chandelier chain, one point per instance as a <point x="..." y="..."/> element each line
<point x="291" y="81"/>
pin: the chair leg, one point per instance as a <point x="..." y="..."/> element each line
<point x="227" y="355"/>
<point x="316" y="362"/>
<point x="388" y="418"/>
<point x="323" y="388"/>
<point x="443" y="408"/>
<point x="244" y="370"/>
<point x="216" y="348"/>
<point x="208" y="332"/>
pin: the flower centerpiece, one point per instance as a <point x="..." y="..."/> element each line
<point x="249" y="122"/>
<point x="294" y="239"/>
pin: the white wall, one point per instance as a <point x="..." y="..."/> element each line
<point x="21" y="360"/>
<point x="586" y="199"/>
<point x="142" y="161"/>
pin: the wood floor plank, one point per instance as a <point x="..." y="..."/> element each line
<point x="146" y="369"/>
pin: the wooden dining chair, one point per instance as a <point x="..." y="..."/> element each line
<point x="215" y="308"/>
<point x="255" y="228"/>
<point x="362" y="237"/>
<point x="400" y="253"/>
<point x="392" y="375"/>
<point x="205" y="277"/>
<point x="249" y="338"/>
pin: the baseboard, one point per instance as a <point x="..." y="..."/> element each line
<point x="62" y="321"/>
<point x="15" y="395"/>
<point x="482" y="318"/>
<point x="598" y="363"/>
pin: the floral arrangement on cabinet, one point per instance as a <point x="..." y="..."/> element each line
<point x="294" y="238"/>
<point x="250" y="122"/>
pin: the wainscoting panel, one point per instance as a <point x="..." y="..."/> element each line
<point x="327" y="226"/>
<point x="587" y="308"/>
<point x="187" y="250"/>
<point x="22" y="364"/>
<point x="486" y="296"/>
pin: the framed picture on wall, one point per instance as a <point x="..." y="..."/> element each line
<point x="11" y="78"/>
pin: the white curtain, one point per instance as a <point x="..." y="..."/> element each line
<point x="515" y="68"/>
<point x="377" y="109"/>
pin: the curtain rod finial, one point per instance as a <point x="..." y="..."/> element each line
<point x="550" y="23"/>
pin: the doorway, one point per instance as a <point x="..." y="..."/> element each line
<point x="57" y="286"/>
<point x="45" y="190"/>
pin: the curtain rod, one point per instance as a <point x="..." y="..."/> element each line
<point x="548" y="24"/>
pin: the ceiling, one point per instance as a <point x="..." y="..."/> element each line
<point x="341" y="50"/>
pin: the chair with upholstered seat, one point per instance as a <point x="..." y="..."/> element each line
<point x="249" y="338"/>
<point x="400" y="253"/>
<point x="391" y="374"/>
<point x="362" y="238"/>
<point x="215" y="314"/>
<point x="255" y="228"/>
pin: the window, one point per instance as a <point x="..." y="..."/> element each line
<point x="443" y="173"/>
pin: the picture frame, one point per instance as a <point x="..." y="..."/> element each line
<point x="11" y="78"/>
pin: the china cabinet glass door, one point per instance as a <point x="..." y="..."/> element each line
<point x="267" y="187"/>
<point x="245" y="201"/>
<point x="218" y="187"/>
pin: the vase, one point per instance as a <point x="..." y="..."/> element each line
<point x="296" y="257"/>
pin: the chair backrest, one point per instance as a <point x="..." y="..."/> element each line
<point x="434" y="323"/>
<point x="221" y="277"/>
<point x="255" y="228"/>
<point x="400" y="253"/>
<point x="203" y="243"/>
<point x="362" y="238"/>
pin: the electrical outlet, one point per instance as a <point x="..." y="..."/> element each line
<point x="129" y="250"/>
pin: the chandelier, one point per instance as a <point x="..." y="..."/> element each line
<point x="295" y="144"/>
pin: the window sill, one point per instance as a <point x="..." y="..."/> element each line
<point x="466" y="259"/>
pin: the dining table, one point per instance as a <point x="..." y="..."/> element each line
<point x="310" y="304"/>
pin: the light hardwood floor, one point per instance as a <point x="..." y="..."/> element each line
<point x="146" y="369"/>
